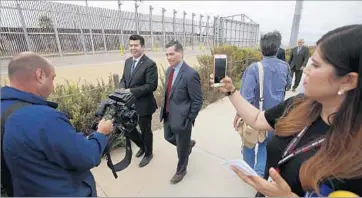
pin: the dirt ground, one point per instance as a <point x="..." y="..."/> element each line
<point x="90" y="68"/>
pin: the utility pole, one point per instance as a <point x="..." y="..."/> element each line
<point x="296" y="22"/>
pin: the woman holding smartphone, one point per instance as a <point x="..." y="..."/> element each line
<point x="317" y="148"/>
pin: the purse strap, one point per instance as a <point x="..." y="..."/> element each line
<point x="261" y="85"/>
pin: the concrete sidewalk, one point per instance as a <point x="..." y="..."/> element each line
<point x="207" y="176"/>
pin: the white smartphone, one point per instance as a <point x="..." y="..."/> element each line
<point x="220" y="68"/>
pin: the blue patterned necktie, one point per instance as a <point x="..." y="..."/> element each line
<point x="133" y="66"/>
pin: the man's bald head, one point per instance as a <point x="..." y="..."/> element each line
<point x="31" y="73"/>
<point x="24" y="64"/>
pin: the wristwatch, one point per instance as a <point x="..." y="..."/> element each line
<point x="230" y="92"/>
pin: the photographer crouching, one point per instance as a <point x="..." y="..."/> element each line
<point x="42" y="153"/>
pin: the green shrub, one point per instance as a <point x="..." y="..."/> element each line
<point x="238" y="60"/>
<point x="80" y="101"/>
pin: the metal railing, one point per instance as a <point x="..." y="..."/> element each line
<point x="58" y="29"/>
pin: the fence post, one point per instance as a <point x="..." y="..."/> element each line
<point x="231" y="30"/>
<point x="236" y="25"/>
<point x="23" y="25"/>
<point x="214" y="32"/>
<point x="206" y="41"/>
<point x="55" y="27"/>
<point x="193" y="31"/>
<point x="247" y="35"/>
<point x="240" y="29"/>
<point x="152" y="41"/>
<point x="116" y="80"/>
<point x="257" y="35"/>
<point x="226" y="31"/>
<point x="200" y="29"/>
<point x="184" y="29"/>
<point x="221" y="31"/>
<point x="163" y="29"/>
<point x="122" y="22"/>
<point x="81" y="31"/>
<point x="104" y="38"/>
<point x="174" y="24"/>
<point x="89" y="26"/>
<point x="136" y="17"/>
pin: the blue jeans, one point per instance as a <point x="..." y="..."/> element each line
<point x="249" y="156"/>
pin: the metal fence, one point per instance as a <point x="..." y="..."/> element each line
<point x="59" y="29"/>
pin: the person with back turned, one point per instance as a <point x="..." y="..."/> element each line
<point x="140" y="77"/>
<point x="42" y="153"/>
<point x="181" y="105"/>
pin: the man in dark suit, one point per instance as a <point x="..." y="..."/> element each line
<point x="181" y="105"/>
<point x="297" y="62"/>
<point x="140" y="77"/>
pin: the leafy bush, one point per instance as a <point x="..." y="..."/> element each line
<point x="238" y="60"/>
<point x="80" y="101"/>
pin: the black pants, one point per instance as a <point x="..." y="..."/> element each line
<point x="144" y="140"/>
<point x="298" y="75"/>
<point x="181" y="139"/>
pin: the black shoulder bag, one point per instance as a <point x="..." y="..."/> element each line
<point x="6" y="183"/>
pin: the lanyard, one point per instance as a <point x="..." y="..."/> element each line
<point x="290" y="153"/>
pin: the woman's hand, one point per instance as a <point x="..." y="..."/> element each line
<point x="228" y="84"/>
<point x="277" y="188"/>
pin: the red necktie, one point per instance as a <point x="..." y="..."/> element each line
<point x="169" y="86"/>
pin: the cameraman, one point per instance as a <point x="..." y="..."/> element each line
<point x="42" y="151"/>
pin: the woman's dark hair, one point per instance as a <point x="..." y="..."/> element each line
<point x="340" y="156"/>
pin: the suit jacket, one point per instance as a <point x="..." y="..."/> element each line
<point x="281" y="54"/>
<point x="297" y="60"/>
<point x="142" y="83"/>
<point x="185" y="99"/>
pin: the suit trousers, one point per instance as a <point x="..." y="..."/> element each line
<point x="181" y="139"/>
<point x="143" y="140"/>
<point x="145" y="123"/>
<point x="298" y="75"/>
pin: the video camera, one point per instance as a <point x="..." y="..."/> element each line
<point x="120" y="108"/>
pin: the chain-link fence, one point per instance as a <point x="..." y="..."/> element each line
<point x="52" y="28"/>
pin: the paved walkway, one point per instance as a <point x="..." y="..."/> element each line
<point x="207" y="176"/>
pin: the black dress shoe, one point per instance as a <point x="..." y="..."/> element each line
<point x="145" y="160"/>
<point x="178" y="177"/>
<point x="140" y="153"/>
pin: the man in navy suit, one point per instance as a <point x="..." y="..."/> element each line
<point x="181" y="105"/>
<point x="140" y="77"/>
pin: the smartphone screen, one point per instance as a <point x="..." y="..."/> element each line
<point x="220" y="69"/>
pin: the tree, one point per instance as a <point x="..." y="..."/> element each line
<point x="45" y="22"/>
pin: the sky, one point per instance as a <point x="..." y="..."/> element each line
<point x="318" y="17"/>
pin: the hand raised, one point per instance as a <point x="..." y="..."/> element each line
<point x="228" y="84"/>
<point x="105" y="126"/>
<point x="277" y="188"/>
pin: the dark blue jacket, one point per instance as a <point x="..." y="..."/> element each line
<point x="45" y="155"/>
